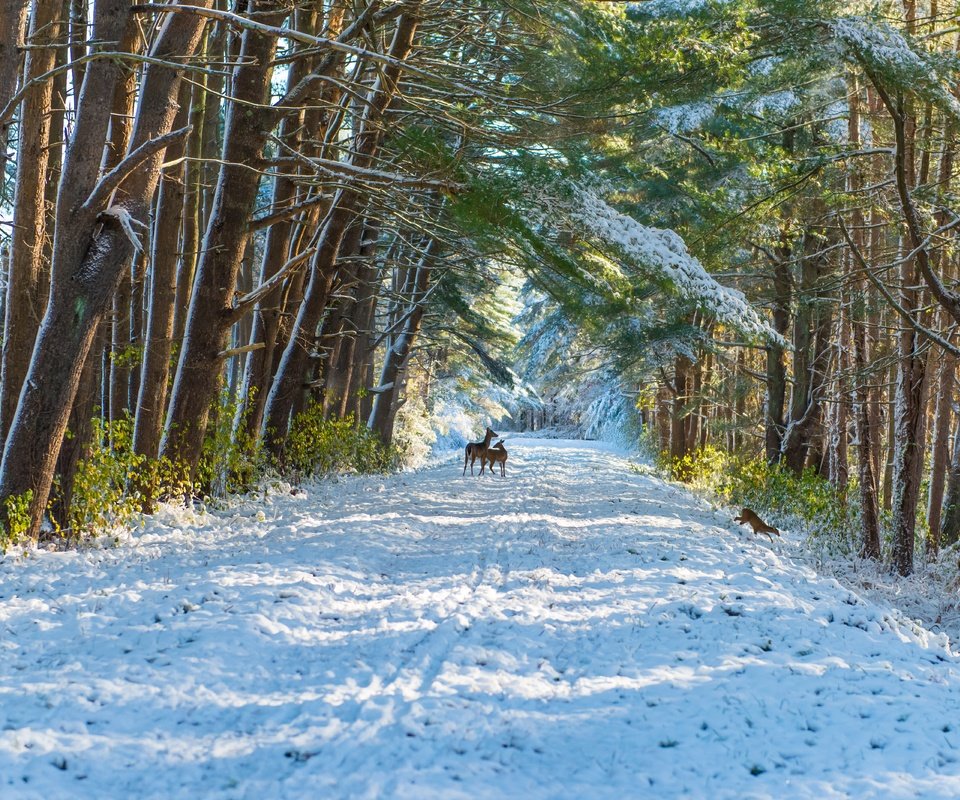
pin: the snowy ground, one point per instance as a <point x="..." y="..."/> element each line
<point x="577" y="630"/>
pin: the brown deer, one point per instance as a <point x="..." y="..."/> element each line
<point x="497" y="455"/>
<point x="475" y="450"/>
<point x="749" y="517"/>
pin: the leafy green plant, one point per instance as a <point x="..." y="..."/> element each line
<point x="807" y="501"/>
<point x="18" y="519"/>
<point x="127" y="357"/>
<point x="318" y="446"/>
<point x="232" y="459"/>
<point x="113" y="485"/>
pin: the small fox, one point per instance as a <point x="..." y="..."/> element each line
<point x="749" y="517"/>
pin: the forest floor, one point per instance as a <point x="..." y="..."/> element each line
<point x="578" y="629"/>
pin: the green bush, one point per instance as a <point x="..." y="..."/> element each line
<point x="232" y="459"/>
<point x="807" y="501"/>
<point x="113" y="485"/>
<point x="318" y="446"/>
<point x="18" y="519"/>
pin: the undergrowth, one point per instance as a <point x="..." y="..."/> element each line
<point x="811" y="505"/>
<point x="807" y="502"/>
<point x="114" y="486"/>
<point x="318" y="446"/>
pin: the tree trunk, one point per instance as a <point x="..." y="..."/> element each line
<point x="24" y="303"/>
<point x="839" y="411"/>
<point x="248" y="123"/>
<point x="13" y="20"/>
<point x="811" y="355"/>
<point x="950" y="518"/>
<point x="158" y="344"/>
<point x="92" y="246"/>
<point x="678" y="426"/>
<point x="385" y="402"/>
<point x="192" y="196"/>
<point x="940" y="448"/>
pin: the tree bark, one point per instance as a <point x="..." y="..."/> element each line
<point x="776" y="386"/>
<point x="247" y="126"/>
<point x="811" y="355"/>
<point x="24" y="303"/>
<point x="387" y="393"/>
<point x="92" y="246"/>
<point x="13" y="20"/>
<point x="940" y="448"/>
<point x="863" y="419"/>
<point x="158" y="344"/>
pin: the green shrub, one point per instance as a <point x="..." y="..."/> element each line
<point x="806" y="501"/>
<point x="18" y="519"/>
<point x="318" y="446"/>
<point x="231" y="460"/>
<point x="113" y="485"/>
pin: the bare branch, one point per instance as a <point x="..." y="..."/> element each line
<point x="115" y="177"/>
<point x="903" y="312"/>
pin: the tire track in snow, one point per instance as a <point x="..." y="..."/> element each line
<point x="475" y="591"/>
<point x="576" y="630"/>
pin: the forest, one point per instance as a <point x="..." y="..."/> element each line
<point x="311" y="237"/>
<point x="688" y="270"/>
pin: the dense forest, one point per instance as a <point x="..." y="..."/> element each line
<point x="314" y="236"/>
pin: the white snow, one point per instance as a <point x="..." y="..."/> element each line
<point x="887" y="49"/>
<point x="663" y="252"/>
<point x="576" y="630"/>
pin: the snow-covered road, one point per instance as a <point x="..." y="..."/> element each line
<point x="576" y="630"/>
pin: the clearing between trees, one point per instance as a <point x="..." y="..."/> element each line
<point x="577" y="629"/>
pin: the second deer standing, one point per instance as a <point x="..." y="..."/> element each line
<point x="497" y="455"/>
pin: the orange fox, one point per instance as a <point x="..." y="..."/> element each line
<point x="749" y="517"/>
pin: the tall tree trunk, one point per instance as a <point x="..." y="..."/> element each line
<point x="397" y="356"/>
<point x="870" y="512"/>
<point x="950" y="518"/>
<point x="910" y="409"/>
<point x="811" y="356"/>
<point x="940" y="448"/>
<point x="158" y="344"/>
<point x="24" y="303"/>
<point x="192" y="196"/>
<point x="838" y="417"/>
<point x="863" y="420"/>
<point x="681" y="398"/>
<point x="92" y="245"/>
<point x="776" y="385"/>
<point x="248" y="123"/>
<point x="13" y="20"/>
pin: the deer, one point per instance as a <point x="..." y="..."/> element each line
<point x="497" y="455"/>
<point x="749" y="517"/>
<point x="475" y="450"/>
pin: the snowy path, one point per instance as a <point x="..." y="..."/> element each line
<point x="577" y="630"/>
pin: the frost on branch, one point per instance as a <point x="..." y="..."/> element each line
<point x="887" y="51"/>
<point x="664" y="254"/>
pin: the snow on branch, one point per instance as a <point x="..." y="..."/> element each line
<point x="883" y="49"/>
<point x="664" y="253"/>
